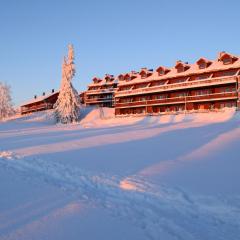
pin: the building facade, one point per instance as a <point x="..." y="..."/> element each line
<point x="44" y="102"/>
<point x="203" y="85"/>
<point x="185" y="87"/>
<point x="101" y="92"/>
<point x="39" y="103"/>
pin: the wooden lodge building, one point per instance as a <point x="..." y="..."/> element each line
<point x="44" y="102"/>
<point x="185" y="87"/>
<point x="203" y="85"/>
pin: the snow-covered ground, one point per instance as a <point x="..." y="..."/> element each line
<point x="162" y="177"/>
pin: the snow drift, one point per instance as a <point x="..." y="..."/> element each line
<point x="160" y="177"/>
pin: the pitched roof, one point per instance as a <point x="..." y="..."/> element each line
<point x="192" y="69"/>
<point x="38" y="99"/>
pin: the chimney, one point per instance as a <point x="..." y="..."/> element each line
<point x="52" y="90"/>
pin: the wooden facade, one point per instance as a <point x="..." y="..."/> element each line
<point x="101" y="92"/>
<point x="40" y="103"/>
<point x="204" y="85"/>
<point x="44" y="102"/>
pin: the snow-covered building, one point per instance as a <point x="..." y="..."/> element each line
<point x="40" y="103"/>
<point x="203" y="85"/>
<point x="101" y="91"/>
<point x="44" y="102"/>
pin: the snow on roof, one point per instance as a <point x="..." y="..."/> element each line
<point x="202" y="59"/>
<point x="38" y="99"/>
<point x="223" y="54"/>
<point x="215" y="65"/>
<point x="107" y="80"/>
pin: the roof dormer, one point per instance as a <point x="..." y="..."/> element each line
<point x="127" y="77"/>
<point x="226" y="58"/>
<point x="120" y="77"/>
<point x="144" y="73"/>
<point x="109" y="77"/>
<point x="181" y="66"/>
<point x="133" y="74"/>
<point x="162" y="70"/>
<point x="130" y="76"/>
<point x="203" y="63"/>
<point x="97" y="80"/>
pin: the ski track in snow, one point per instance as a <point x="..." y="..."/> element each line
<point x="157" y="210"/>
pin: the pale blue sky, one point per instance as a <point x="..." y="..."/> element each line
<point x="109" y="37"/>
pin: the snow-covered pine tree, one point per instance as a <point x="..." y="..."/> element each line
<point x="67" y="107"/>
<point x="6" y="106"/>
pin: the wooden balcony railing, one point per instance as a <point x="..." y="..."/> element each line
<point x="100" y="91"/>
<point x="97" y="100"/>
<point x="34" y="108"/>
<point x="176" y="86"/>
<point x="177" y="100"/>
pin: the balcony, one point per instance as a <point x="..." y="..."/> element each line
<point x="35" y="108"/>
<point x="178" y="86"/>
<point x="100" y="91"/>
<point x="179" y="100"/>
<point x="98" y="100"/>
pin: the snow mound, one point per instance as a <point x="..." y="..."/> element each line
<point x="94" y="117"/>
<point x="173" y="176"/>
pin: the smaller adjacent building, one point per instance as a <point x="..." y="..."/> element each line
<point x="101" y="92"/>
<point x="44" y="102"/>
<point x="40" y="103"/>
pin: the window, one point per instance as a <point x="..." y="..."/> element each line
<point x="160" y="96"/>
<point x="228" y="89"/>
<point x="180" y="80"/>
<point x="227" y="60"/>
<point x="141" y="86"/>
<point x="203" y="92"/>
<point x="109" y="96"/>
<point x="125" y="88"/>
<point x="226" y="73"/>
<point x="228" y="105"/>
<point x="161" y="72"/>
<point x="126" y="100"/>
<point x="142" y="99"/>
<point x="180" y="69"/>
<point x="180" y="94"/>
<point x="157" y="83"/>
<point x="200" y="77"/>
<point x="202" y="65"/>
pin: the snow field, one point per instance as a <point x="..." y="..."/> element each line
<point x="144" y="198"/>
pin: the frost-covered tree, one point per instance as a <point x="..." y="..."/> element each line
<point x="6" y="106"/>
<point x="67" y="107"/>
